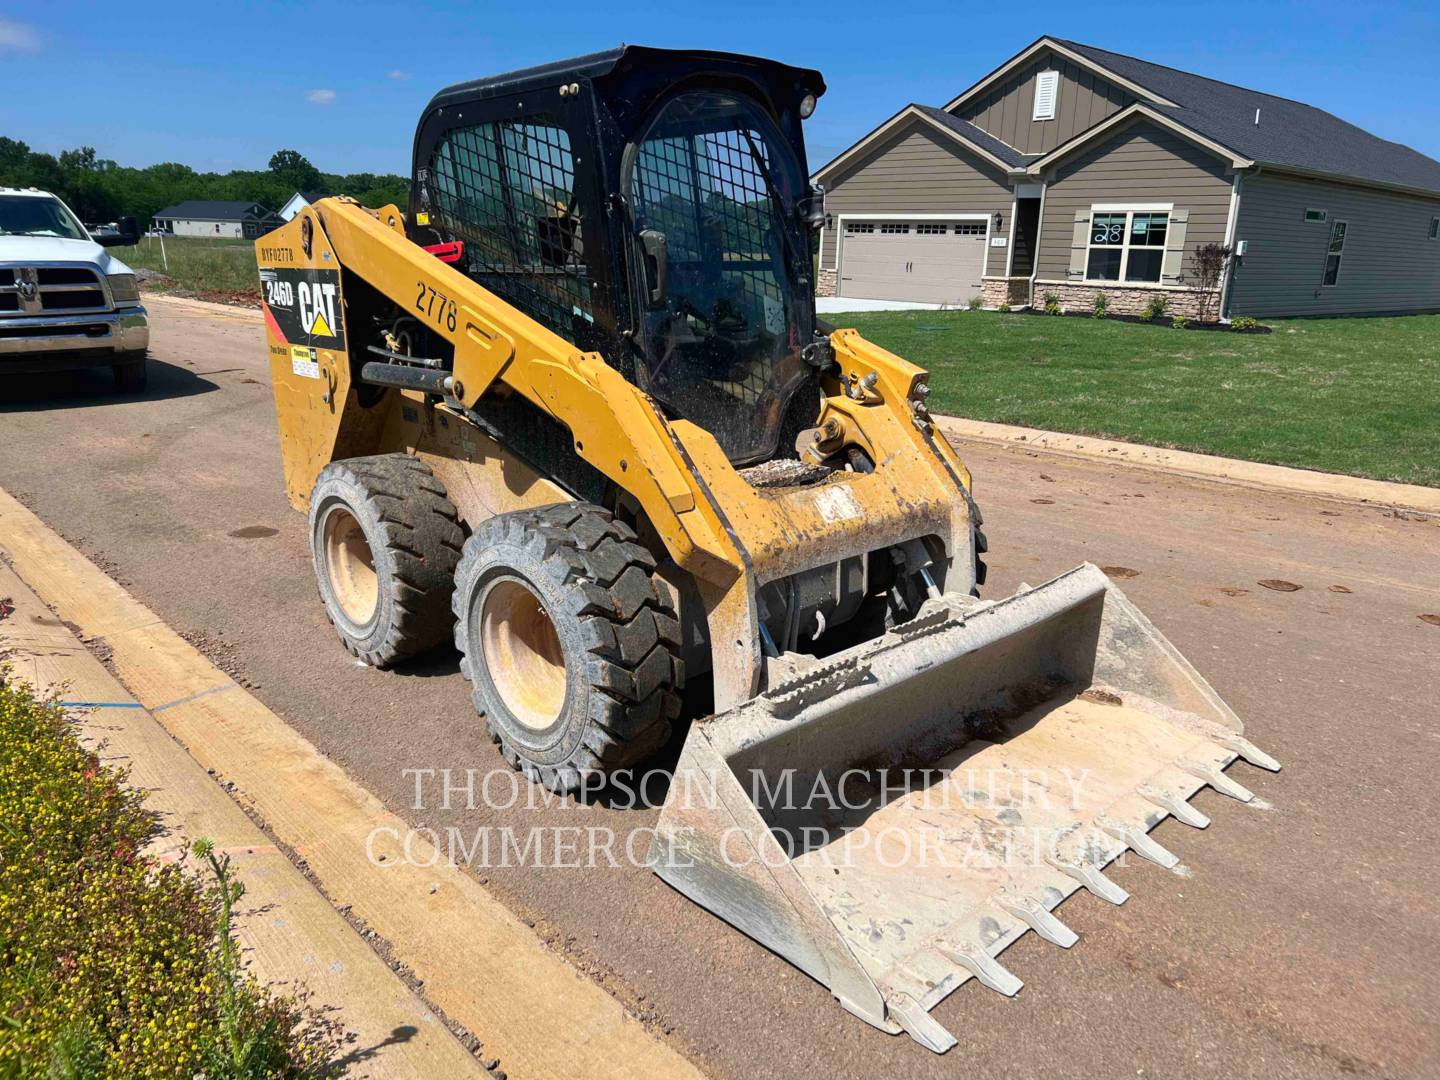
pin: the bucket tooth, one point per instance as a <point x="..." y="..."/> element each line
<point x="919" y="1024"/>
<point x="1179" y="809"/>
<point x="1138" y="841"/>
<point x="1036" y="916"/>
<point x="984" y="967"/>
<point x="1219" y="781"/>
<point x="1249" y="751"/>
<point x="1092" y="879"/>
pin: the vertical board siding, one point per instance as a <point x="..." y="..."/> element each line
<point x="1005" y="109"/>
<point x="917" y="171"/>
<point x="1144" y="163"/>
<point x="1389" y="263"/>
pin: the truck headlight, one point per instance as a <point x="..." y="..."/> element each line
<point x="124" y="289"/>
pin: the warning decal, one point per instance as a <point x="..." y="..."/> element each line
<point x="305" y="305"/>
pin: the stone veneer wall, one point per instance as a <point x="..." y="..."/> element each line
<point x="1122" y="300"/>
<point x="1014" y="291"/>
<point x="826" y="283"/>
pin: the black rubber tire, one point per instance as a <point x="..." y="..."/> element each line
<point x="131" y="374"/>
<point x="618" y="636"/>
<point x="414" y="535"/>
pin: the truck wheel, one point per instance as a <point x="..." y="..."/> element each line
<point x="571" y="649"/>
<point x="131" y="374"/>
<point x="385" y="540"/>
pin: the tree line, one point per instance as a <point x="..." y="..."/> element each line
<point x="98" y="190"/>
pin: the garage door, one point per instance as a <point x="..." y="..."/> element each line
<point x="938" y="262"/>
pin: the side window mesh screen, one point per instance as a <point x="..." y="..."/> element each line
<point x="507" y="190"/>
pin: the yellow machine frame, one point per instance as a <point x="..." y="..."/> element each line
<point x="729" y="537"/>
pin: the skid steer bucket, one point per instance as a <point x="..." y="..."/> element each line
<point x="893" y="818"/>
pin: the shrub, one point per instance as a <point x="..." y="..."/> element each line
<point x="975" y="302"/>
<point x="111" y="965"/>
<point x="1052" y="303"/>
<point x="1102" y="305"/>
<point x="1155" y="308"/>
<point x="1004" y="307"/>
<point x="1243" y="323"/>
<point x="1179" y="322"/>
<point x="1210" y="261"/>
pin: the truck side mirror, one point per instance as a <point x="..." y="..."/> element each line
<point x="657" y="264"/>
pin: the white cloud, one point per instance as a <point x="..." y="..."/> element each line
<point x="14" y="35"/>
<point x="320" y="97"/>
<point x="398" y="74"/>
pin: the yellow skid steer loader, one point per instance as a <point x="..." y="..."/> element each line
<point x="573" y="406"/>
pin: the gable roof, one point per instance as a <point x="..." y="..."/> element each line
<point x="213" y="210"/>
<point x="1290" y="134"/>
<point x="1001" y="155"/>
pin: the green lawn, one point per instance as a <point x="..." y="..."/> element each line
<point x="197" y="264"/>
<point x="1359" y="396"/>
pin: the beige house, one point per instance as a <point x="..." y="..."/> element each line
<point x="1072" y="170"/>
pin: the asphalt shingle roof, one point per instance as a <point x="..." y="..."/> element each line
<point x="1290" y="133"/>
<point x="981" y="138"/>
<point x="213" y="210"/>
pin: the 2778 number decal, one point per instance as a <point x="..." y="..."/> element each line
<point x="427" y="300"/>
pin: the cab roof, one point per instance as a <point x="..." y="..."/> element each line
<point x="619" y="61"/>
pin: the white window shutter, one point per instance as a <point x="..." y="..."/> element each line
<point x="1047" y="90"/>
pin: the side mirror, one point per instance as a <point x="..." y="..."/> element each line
<point x="128" y="235"/>
<point x="811" y="208"/>
<point x="657" y="264"/>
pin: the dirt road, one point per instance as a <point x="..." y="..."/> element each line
<point x="1306" y="944"/>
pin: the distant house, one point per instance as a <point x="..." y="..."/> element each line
<point x="217" y="218"/>
<point x="299" y="201"/>
<point x="1071" y="170"/>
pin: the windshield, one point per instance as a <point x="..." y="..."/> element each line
<point x="31" y="215"/>
<point x="713" y="187"/>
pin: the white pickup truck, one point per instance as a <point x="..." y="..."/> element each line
<point x="66" y="302"/>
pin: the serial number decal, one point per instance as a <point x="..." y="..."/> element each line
<point x="434" y="305"/>
<point x="306" y="304"/>
<point x="304" y="361"/>
<point x="277" y="254"/>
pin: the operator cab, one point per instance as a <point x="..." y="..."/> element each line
<point x="653" y="206"/>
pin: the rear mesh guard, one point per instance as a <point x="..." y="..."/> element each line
<point x="1045" y="735"/>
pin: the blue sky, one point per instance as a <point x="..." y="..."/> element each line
<point x="221" y="86"/>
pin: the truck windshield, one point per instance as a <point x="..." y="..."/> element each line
<point x="32" y="215"/>
<point x="713" y="186"/>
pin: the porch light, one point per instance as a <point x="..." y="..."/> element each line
<point x="998" y="220"/>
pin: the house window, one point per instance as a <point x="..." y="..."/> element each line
<point x="1316" y="215"/>
<point x="1332" y="256"/>
<point x="1047" y="90"/>
<point x="858" y="228"/>
<point x="895" y="228"/>
<point x="1435" y="228"/>
<point x="1127" y="245"/>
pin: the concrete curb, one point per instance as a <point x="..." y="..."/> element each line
<point x="290" y="934"/>
<point x="1350" y="489"/>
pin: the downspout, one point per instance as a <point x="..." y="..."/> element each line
<point x="1231" y="226"/>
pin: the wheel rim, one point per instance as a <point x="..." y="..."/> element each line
<point x="522" y="652"/>
<point x="350" y="567"/>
